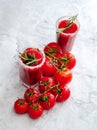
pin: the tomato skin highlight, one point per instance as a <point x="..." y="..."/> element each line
<point x="20" y="106"/>
<point x="63" y="77"/>
<point x="47" y="101"/>
<point x="35" y="110"/>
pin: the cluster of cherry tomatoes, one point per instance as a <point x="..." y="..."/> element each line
<point x="52" y="87"/>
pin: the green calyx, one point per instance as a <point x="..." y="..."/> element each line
<point x="35" y="107"/>
<point x="52" y="50"/>
<point x="62" y="69"/>
<point x="30" y="94"/>
<point x="65" y="59"/>
<point x="21" y="102"/>
<point x="69" y="24"/>
<point x="59" y="91"/>
<point x="44" y="99"/>
<point x="46" y="83"/>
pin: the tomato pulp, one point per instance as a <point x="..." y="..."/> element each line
<point x="66" y="38"/>
<point x="30" y="75"/>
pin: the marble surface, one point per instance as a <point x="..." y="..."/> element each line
<point x="36" y="19"/>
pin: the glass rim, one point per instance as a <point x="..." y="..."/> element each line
<point x="36" y="66"/>
<point x="64" y="18"/>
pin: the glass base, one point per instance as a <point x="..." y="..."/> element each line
<point x="29" y="86"/>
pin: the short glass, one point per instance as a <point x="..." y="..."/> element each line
<point x="64" y="39"/>
<point x="30" y="75"/>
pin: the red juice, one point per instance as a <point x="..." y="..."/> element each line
<point x="67" y="37"/>
<point x="30" y="75"/>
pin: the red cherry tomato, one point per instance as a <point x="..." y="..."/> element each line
<point x="68" y="60"/>
<point x="35" y="110"/>
<point x="48" y="68"/>
<point x="47" y="101"/>
<point x="52" y="48"/>
<point x="20" y="106"/>
<point x="63" y="76"/>
<point x="31" y="95"/>
<point x="62" y="93"/>
<point x="46" y="83"/>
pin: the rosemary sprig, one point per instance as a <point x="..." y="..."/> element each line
<point x="69" y="24"/>
<point x="31" y="62"/>
<point x="28" y="59"/>
<point x="25" y="55"/>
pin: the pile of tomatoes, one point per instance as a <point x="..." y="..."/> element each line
<point x="52" y="87"/>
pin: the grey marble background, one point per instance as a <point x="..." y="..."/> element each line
<point x="37" y="19"/>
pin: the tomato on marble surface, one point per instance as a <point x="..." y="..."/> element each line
<point x="46" y="83"/>
<point x="20" y="106"/>
<point x="62" y="93"/>
<point x="35" y="110"/>
<point x="52" y="48"/>
<point x="63" y="76"/>
<point x="68" y="60"/>
<point x="47" y="100"/>
<point x="31" y="95"/>
<point x="48" y="68"/>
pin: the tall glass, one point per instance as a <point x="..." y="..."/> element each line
<point x="66" y="39"/>
<point x="30" y="75"/>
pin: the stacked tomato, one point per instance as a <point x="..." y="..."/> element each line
<point x="52" y="87"/>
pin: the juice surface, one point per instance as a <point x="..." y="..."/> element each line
<point x="64" y="23"/>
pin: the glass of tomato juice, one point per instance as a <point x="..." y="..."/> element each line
<point x="30" y="72"/>
<point x="66" y="31"/>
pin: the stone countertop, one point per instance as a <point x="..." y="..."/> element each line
<point x="37" y="19"/>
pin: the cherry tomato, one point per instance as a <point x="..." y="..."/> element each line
<point x="46" y="83"/>
<point x="35" y="110"/>
<point x="48" y="68"/>
<point x="62" y="93"/>
<point x="63" y="76"/>
<point x="20" y="106"/>
<point x="68" y="60"/>
<point x="47" y="101"/>
<point x="52" y="48"/>
<point x="31" y="95"/>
